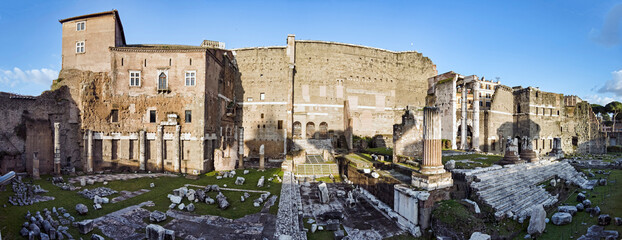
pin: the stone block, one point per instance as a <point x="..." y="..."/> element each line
<point x="85" y="226"/>
<point x="561" y="218"/>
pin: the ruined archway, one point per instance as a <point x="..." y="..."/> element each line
<point x="297" y="131"/>
<point x="323" y="130"/>
<point x="310" y="130"/>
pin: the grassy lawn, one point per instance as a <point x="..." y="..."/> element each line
<point x="323" y="234"/>
<point x="458" y="217"/>
<point x="383" y="151"/>
<point x="12" y="217"/>
<point x="479" y="159"/>
<point x="606" y="197"/>
<point x="361" y="160"/>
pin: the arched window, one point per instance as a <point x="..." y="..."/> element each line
<point x="323" y="130"/>
<point x="297" y="129"/>
<point x="162" y="81"/>
<point x="310" y="130"/>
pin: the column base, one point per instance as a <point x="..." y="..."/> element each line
<point x="432" y="182"/>
<point x="510" y="158"/>
<point x="432" y="170"/>
<point x="529" y="155"/>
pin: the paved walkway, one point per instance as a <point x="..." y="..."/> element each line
<point x="287" y="223"/>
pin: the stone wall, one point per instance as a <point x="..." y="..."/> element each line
<point x="407" y="136"/>
<point x="28" y="129"/>
<point x="318" y="82"/>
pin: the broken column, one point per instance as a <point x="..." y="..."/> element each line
<point x="261" y="157"/>
<point x="463" y="127"/>
<point x="557" y="147"/>
<point x="35" y="166"/>
<point x="141" y="149"/>
<point x="475" y="139"/>
<point x="177" y="149"/>
<point x="511" y="153"/>
<point x="89" y="152"/>
<point x="57" y="148"/>
<point x="324" y="196"/>
<point x="527" y="153"/>
<point x="159" y="147"/>
<point x="432" y="174"/>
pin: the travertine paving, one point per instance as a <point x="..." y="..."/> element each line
<point x="287" y="221"/>
<point x="512" y="190"/>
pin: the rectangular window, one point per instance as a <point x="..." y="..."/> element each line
<point x="191" y="77"/>
<point x="114" y="115"/>
<point x="262" y="96"/>
<point x="80" y="47"/>
<point x="135" y="78"/>
<point x="152" y="116"/>
<point x="80" y="26"/>
<point x="188" y="116"/>
<point x="280" y="124"/>
<point x="250" y="99"/>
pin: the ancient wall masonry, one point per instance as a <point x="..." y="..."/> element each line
<point x="407" y="136"/>
<point x="29" y="127"/>
<point x="492" y="112"/>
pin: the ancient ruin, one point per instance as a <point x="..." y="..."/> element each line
<point x="312" y="139"/>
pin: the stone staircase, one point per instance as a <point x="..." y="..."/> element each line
<point x="313" y="146"/>
<point x="512" y="190"/>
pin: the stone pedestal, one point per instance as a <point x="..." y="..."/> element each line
<point x="557" y="148"/>
<point x="432" y="174"/>
<point x="511" y="153"/>
<point x="57" y="166"/>
<point x="527" y="153"/>
<point x="261" y="157"/>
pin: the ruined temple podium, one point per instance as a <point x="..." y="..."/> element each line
<point x="432" y="174"/>
<point x="527" y="153"/>
<point x="511" y="153"/>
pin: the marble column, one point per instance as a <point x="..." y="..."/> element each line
<point x="89" y="151"/>
<point x="432" y="147"/>
<point x="261" y="157"/>
<point x="475" y="138"/>
<point x="240" y="140"/>
<point x="432" y="174"/>
<point x="463" y="130"/>
<point x="177" y="149"/>
<point x="57" y="148"/>
<point x="159" y="148"/>
<point x="142" y="143"/>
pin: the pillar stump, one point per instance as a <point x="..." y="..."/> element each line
<point x="261" y="158"/>
<point x="527" y="153"/>
<point x="432" y="174"/>
<point x="35" y="166"/>
<point x="511" y="153"/>
<point x="557" y="148"/>
<point x="57" y="148"/>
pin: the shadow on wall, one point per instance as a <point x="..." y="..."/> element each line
<point x="28" y="130"/>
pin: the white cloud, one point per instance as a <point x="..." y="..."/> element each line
<point x="614" y="85"/>
<point x="598" y="99"/>
<point x="43" y="76"/>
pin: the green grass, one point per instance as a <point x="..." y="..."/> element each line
<point x="319" y="235"/>
<point x="383" y="151"/>
<point x="360" y="160"/>
<point x="458" y="217"/>
<point x="484" y="161"/>
<point x="12" y="217"/>
<point x="328" y="180"/>
<point x="608" y="204"/>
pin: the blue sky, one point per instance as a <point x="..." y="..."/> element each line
<point x="570" y="47"/>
